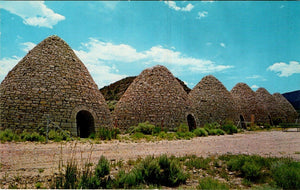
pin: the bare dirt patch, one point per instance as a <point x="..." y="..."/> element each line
<point x="38" y="162"/>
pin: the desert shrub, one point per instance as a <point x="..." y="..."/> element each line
<point x="129" y="180"/>
<point x="254" y="168"/>
<point x="86" y="179"/>
<point x="145" y="128"/>
<point x="71" y="175"/>
<point x="8" y="135"/>
<point x="251" y="170"/>
<point x="286" y="174"/>
<point x="199" y="132"/>
<point x="229" y="128"/>
<point x="58" y="136"/>
<point x="198" y="163"/>
<point x="184" y="135"/>
<point x="162" y="135"/>
<point x="183" y="128"/>
<point x="153" y="171"/>
<point x="26" y="136"/>
<point x="210" y="183"/>
<point x="156" y="130"/>
<point x="102" y="167"/>
<point x="107" y="134"/>
<point x="137" y="136"/>
<point x="220" y="132"/>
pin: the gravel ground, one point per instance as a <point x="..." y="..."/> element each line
<point x="37" y="160"/>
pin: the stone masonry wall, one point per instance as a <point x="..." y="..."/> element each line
<point x="247" y="103"/>
<point x="154" y="96"/>
<point x="286" y="107"/>
<point x="52" y="80"/>
<point x="212" y="102"/>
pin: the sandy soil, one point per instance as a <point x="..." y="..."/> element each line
<point x="39" y="161"/>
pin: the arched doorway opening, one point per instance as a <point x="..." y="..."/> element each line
<point x="242" y="120"/>
<point x="85" y="124"/>
<point x="191" y="122"/>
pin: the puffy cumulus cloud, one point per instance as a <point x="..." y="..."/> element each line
<point x="6" y="64"/>
<point x="223" y="45"/>
<point x="160" y="55"/>
<point x="202" y="14"/>
<point x="284" y="70"/>
<point x="254" y="86"/>
<point x="173" y="5"/>
<point x="98" y="51"/>
<point x="33" y="13"/>
<point x="103" y="74"/>
<point x="27" y="46"/>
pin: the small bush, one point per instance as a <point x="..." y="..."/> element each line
<point x="198" y="163"/>
<point x="286" y="174"/>
<point x="145" y="128"/>
<point x="183" y="128"/>
<point x="251" y="170"/>
<point x="137" y="136"/>
<point x="102" y="167"/>
<point x="229" y="128"/>
<point x="58" y="136"/>
<point x="162" y="135"/>
<point x="38" y="185"/>
<point x="210" y="183"/>
<point x="220" y="132"/>
<point x="106" y="134"/>
<point x="200" y="132"/>
<point x="8" y="135"/>
<point x="70" y="177"/>
<point x="25" y="136"/>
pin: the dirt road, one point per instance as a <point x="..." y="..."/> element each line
<point x="33" y="160"/>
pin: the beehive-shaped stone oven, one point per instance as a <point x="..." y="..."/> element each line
<point x="154" y="96"/>
<point x="212" y="102"/>
<point x="265" y="99"/>
<point x="289" y="111"/>
<point x="51" y="80"/>
<point x="247" y="103"/>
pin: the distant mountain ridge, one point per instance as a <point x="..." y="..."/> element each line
<point x="293" y="98"/>
<point x="115" y="90"/>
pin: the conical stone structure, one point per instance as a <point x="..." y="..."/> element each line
<point x="51" y="80"/>
<point x="247" y="103"/>
<point x="154" y="96"/>
<point x="290" y="112"/>
<point x="212" y="102"/>
<point x="265" y="99"/>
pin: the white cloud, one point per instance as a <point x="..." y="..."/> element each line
<point x="6" y="64"/>
<point x="28" y="46"/>
<point x="110" y="4"/>
<point x="223" y="45"/>
<point x="284" y="70"/>
<point x="101" y="58"/>
<point x="33" y="13"/>
<point x="96" y="53"/>
<point x="256" y="77"/>
<point x="173" y="5"/>
<point x="99" y="51"/>
<point x="202" y="14"/>
<point x="254" y="86"/>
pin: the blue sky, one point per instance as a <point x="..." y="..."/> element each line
<point x="253" y="42"/>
